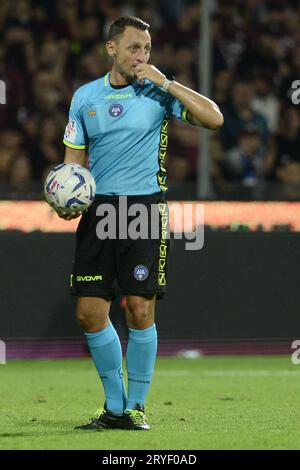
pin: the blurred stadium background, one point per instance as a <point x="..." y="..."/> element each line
<point x="240" y="293"/>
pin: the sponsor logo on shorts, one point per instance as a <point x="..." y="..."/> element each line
<point x="88" y="278"/>
<point x="140" y="272"/>
<point x="115" y="110"/>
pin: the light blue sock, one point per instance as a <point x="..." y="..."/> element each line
<point x="140" y="359"/>
<point x="106" y="352"/>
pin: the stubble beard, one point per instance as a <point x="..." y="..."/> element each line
<point x="128" y="77"/>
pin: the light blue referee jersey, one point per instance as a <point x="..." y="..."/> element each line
<point x="124" y="130"/>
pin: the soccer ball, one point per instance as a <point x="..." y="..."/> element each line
<point x="70" y="187"/>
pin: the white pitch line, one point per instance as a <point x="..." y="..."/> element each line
<point x="251" y="373"/>
<point x="174" y="373"/>
<point x="230" y="373"/>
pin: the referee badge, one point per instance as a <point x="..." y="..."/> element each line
<point x="115" y="110"/>
<point x="140" y="272"/>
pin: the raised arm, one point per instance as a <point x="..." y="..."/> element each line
<point x="201" y="110"/>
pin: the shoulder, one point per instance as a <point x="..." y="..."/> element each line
<point x="87" y="91"/>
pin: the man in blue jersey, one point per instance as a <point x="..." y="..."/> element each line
<point x="120" y="122"/>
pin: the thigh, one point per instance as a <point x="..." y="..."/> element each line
<point x="94" y="306"/>
<point x="94" y="269"/>
<point x="142" y="263"/>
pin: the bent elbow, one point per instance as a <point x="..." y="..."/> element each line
<point x="217" y="121"/>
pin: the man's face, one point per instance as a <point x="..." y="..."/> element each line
<point x="129" y="50"/>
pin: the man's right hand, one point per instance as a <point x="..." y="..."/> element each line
<point x="69" y="215"/>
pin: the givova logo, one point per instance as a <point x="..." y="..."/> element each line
<point x="88" y="278"/>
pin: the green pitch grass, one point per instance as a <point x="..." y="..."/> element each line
<point x="205" y="403"/>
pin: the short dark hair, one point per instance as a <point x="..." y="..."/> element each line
<point x="118" y="26"/>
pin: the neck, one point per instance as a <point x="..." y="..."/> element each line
<point x="118" y="79"/>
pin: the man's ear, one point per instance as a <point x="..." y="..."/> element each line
<point x="110" y="48"/>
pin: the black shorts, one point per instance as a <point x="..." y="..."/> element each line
<point x="137" y="265"/>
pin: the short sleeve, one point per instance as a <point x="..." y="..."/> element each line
<point x="176" y="109"/>
<point x="75" y="136"/>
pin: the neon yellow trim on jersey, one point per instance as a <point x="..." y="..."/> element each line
<point x="184" y="115"/>
<point x="76" y="147"/>
<point x="118" y="96"/>
<point x="106" y="79"/>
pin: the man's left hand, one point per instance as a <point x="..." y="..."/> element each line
<point x="149" y="72"/>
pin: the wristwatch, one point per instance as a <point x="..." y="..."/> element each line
<point x="167" y="83"/>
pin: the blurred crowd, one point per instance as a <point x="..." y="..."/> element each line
<point x="49" y="48"/>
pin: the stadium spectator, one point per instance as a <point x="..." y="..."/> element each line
<point x="20" y="174"/>
<point x="245" y="162"/>
<point x="240" y="114"/>
<point x="11" y="141"/>
<point x="265" y="102"/>
<point x="178" y="165"/>
<point x="47" y="152"/>
<point x="222" y="87"/>
<point x="287" y="145"/>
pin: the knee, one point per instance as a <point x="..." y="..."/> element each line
<point x="140" y="314"/>
<point x="90" y="318"/>
<point x="86" y="319"/>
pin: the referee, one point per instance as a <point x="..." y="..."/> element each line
<point x="118" y="126"/>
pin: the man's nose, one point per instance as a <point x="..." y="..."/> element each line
<point x="141" y="57"/>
